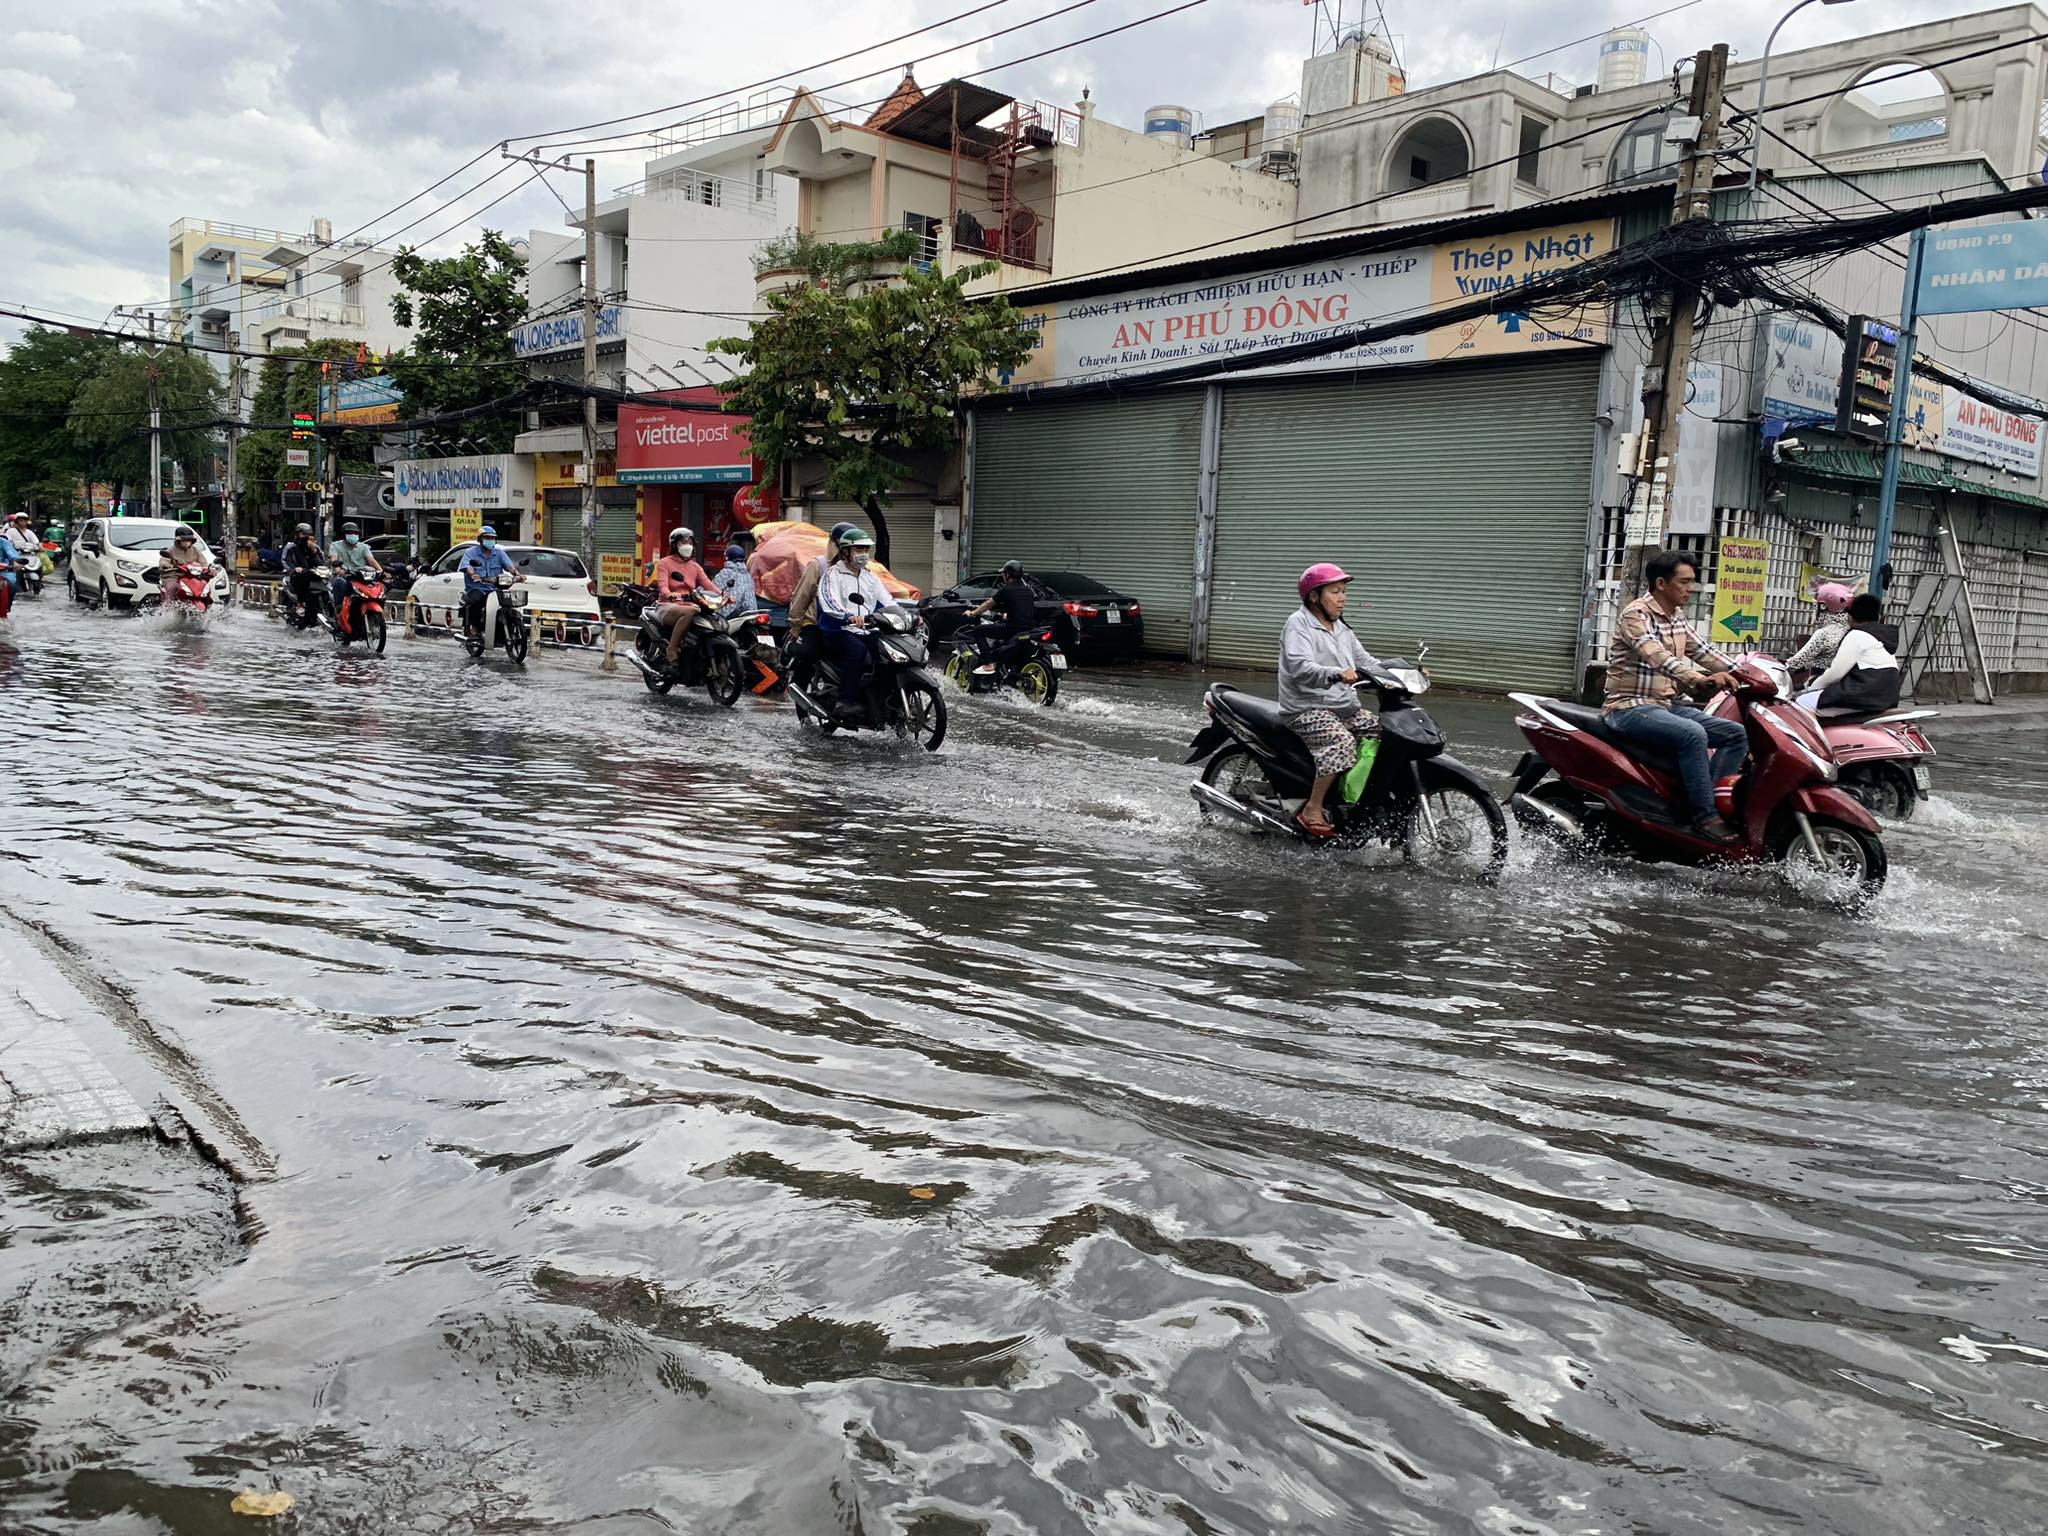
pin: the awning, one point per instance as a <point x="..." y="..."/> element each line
<point x="1863" y="466"/>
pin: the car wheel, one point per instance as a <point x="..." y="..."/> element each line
<point x="71" y="586"/>
<point x="107" y="596"/>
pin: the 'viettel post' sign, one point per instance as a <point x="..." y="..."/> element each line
<point x="664" y="446"/>
<point x="563" y="333"/>
<point x="496" y="480"/>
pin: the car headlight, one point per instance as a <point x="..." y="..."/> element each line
<point x="131" y="565"/>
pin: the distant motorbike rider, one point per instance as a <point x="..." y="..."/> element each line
<point x="481" y="567"/>
<point x="736" y="582"/>
<point x="849" y="597"/>
<point x="21" y="534"/>
<point x="1864" y="678"/>
<point x="1814" y="656"/>
<point x="677" y="581"/>
<point x="183" y="551"/>
<point x="301" y="560"/>
<point x="1016" y="606"/>
<point x="1321" y="660"/>
<point x="805" y="636"/>
<point x="349" y="556"/>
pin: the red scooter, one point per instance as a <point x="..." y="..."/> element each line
<point x="187" y="588"/>
<point x="1585" y="786"/>
<point x="361" y="614"/>
<point x="1883" y="758"/>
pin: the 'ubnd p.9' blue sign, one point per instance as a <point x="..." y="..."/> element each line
<point x="1997" y="266"/>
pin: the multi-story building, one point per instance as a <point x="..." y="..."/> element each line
<point x="220" y="274"/>
<point x="1426" y="461"/>
<point x="331" y="290"/>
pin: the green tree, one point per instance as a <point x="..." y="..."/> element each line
<point x="110" y="415"/>
<point x="464" y="309"/>
<point x="288" y="381"/>
<point x="862" y="374"/>
<point x="43" y="467"/>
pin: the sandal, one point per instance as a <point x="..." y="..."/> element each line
<point x="1315" y="827"/>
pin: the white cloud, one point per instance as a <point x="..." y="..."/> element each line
<point x="124" y="115"/>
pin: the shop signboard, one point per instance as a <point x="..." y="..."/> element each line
<point x="564" y="332"/>
<point x="1689" y="498"/>
<point x="1739" y="581"/>
<point x="661" y="445"/>
<point x="1804" y="373"/>
<point x="360" y="402"/>
<point x="298" y="458"/>
<point x="498" y="481"/>
<point x="613" y="572"/>
<point x="1994" y="266"/>
<point x="464" y="524"/>
<point x="1143" y="330"/>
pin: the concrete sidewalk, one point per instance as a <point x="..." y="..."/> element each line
<point x="53" y="1088"/>
<point x="2020" y="712"/>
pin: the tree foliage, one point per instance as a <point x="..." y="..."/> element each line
<point x="464" y="309"/>
<point x="43" y="466"/>
<point x="838" y="264"/>
<point x="289" y="380"/>
<point x="862" y="375"/>
<point x="110" y="414"/>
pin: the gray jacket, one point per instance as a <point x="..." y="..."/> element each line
<point x="1312" y="659"/>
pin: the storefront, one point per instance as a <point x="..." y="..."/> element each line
<point x="445" y="501"/>
<point x="558" y="479"/>
<point x="1434" y="467"/>
<point x="694" y="469"/>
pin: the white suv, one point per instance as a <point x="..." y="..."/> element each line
<point x="114" y="560"/>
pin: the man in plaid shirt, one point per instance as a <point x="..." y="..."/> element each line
<point x="1655" y="652"/>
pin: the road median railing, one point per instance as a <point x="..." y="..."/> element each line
<point x="557" y="631"/>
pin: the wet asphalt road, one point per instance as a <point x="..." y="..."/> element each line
<point x="669" y="1121"/>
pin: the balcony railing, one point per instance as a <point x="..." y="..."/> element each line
<point x="683" y="186"/>
<point x="312" y="311"/>
<point x="232" y="231"/>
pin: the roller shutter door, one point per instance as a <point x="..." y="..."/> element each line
<point x="1105" y="487"/>
<point x="618" y="522"/>
<point x="910" y="534"/>
<point x="1456" y="495"/>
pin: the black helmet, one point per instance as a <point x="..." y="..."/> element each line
<point x="1013" y="570"/>
<point x="839" y="531"/>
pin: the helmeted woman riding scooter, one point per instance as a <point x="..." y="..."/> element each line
<point x="1321" y="660"/>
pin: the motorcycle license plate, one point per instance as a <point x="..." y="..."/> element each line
<point x="1923" y="780"/>
<point x="1113" y="615"/>
<point x="1059" y="663"/>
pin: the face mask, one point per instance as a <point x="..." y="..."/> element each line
<point x="488" y="543"/>
<point x="686" y="550"/>
<point x="860" y="561"/>
<point x="351" y="538"/>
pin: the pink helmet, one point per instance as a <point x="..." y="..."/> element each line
<point x="1320" y="574"/>
<point x="1833" y="596"/>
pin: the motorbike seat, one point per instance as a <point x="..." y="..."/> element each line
<point x="1263" y="716"/>
<point x="1588" y="718"/>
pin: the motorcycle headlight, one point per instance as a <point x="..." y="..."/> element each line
<point x="516" y="596"/>
<point x="896" y="653"/>
<point x="1411" y="678"/>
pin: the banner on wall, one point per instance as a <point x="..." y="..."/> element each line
<point x="464" y="523"/>
<point x="1739" y="581"/>
<point x="1689" y="498"/>
<point x="1142" y="330"/>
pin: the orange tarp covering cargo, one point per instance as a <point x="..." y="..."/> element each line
<point x="784" y="549"/>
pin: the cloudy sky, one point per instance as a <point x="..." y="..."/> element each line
<point x="118" y="117"/>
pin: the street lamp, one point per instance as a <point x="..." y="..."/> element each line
<point x="1763" y="86"/>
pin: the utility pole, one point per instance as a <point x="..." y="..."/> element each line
<point x="588" y="542"/>
<point x="156" y="426"/>
<point x="228" y="502"/>
<point x="1664" y="379"/>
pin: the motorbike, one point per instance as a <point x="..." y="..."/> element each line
<point x="505" y="622"/>
<point x="709" y="656"/>
<point x="1031" y="663"/>
<point x="301" y="615"/>
<point x="28" y="572"/>
<point x="1883" y="758"/>
<point x="361" y="615"/>
<point x="186" y="589"/>
<point x="901" y="694"/>
<point x="1405" y="790"/>
<point x="1589" y="789"/>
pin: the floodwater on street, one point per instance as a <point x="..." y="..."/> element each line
<point x="671" y="1121"/>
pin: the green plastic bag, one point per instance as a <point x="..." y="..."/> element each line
<point x="1353" y="782"/>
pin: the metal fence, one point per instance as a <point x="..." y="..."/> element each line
<point x="556" y="631"/>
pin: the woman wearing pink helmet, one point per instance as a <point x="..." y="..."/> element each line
<point x="1320" y="660"/>
<point x="1818" y="652"/>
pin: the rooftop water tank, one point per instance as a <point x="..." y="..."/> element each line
<point x="1624" y="58"/>
<point x="1171" y="123"/>
<point x="1281" y="144"/>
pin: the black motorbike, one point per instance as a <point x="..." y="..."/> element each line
<point x="301" y="614"/>
<point x="1032" y="663"/>
<point x="709" y="657"/>
<point x="900" y="694"/>
<point x="505" y="622"/>
<point x="1413" y="795"/>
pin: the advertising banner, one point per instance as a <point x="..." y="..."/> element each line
<point x="464" y="523"/>
<point x="613" y="572"/>
<point x="1145" y="329"/>
<point x="1804" y="370"/>
<point x="1998" y="266"/>
<point x="500" y="481"/>
<point x="360" y="402"/>
<point x="664" y="446"/>
<point x="1745" y="567"/>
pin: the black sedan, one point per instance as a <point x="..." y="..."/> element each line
<point x="1085" y="617"/>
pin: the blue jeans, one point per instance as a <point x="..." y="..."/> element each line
<point x="1707" y="749"/>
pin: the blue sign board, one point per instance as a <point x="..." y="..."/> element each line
<point x="560" y="333"/>
<point x="1991" y="266"/>
<point x="710" y="474"/>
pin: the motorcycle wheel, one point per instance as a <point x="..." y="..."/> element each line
<point x="1885" y="789"/>
<point x="726" y="678"/>
<point x="1856" y="859"/>
<point x="1038" y="682"/>
<point x="925" y="722"/>
<point x="657" y="681"/>
<point x="957" y="670"/>
<point x="517" y="638"/>
<point x="373" y="633"/>
<point x="1236" y="773"/>
<point x="1469" y="835"/>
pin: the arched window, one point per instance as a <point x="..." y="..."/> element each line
<point x="1891" y="104"/>
<point x="1641" y="153"/>
<point x="1433" y="150"/>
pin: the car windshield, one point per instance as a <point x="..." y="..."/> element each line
<point x="545" y="563"/>
<point x="1071" y="584"/>
<point x="144" y="538"/>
